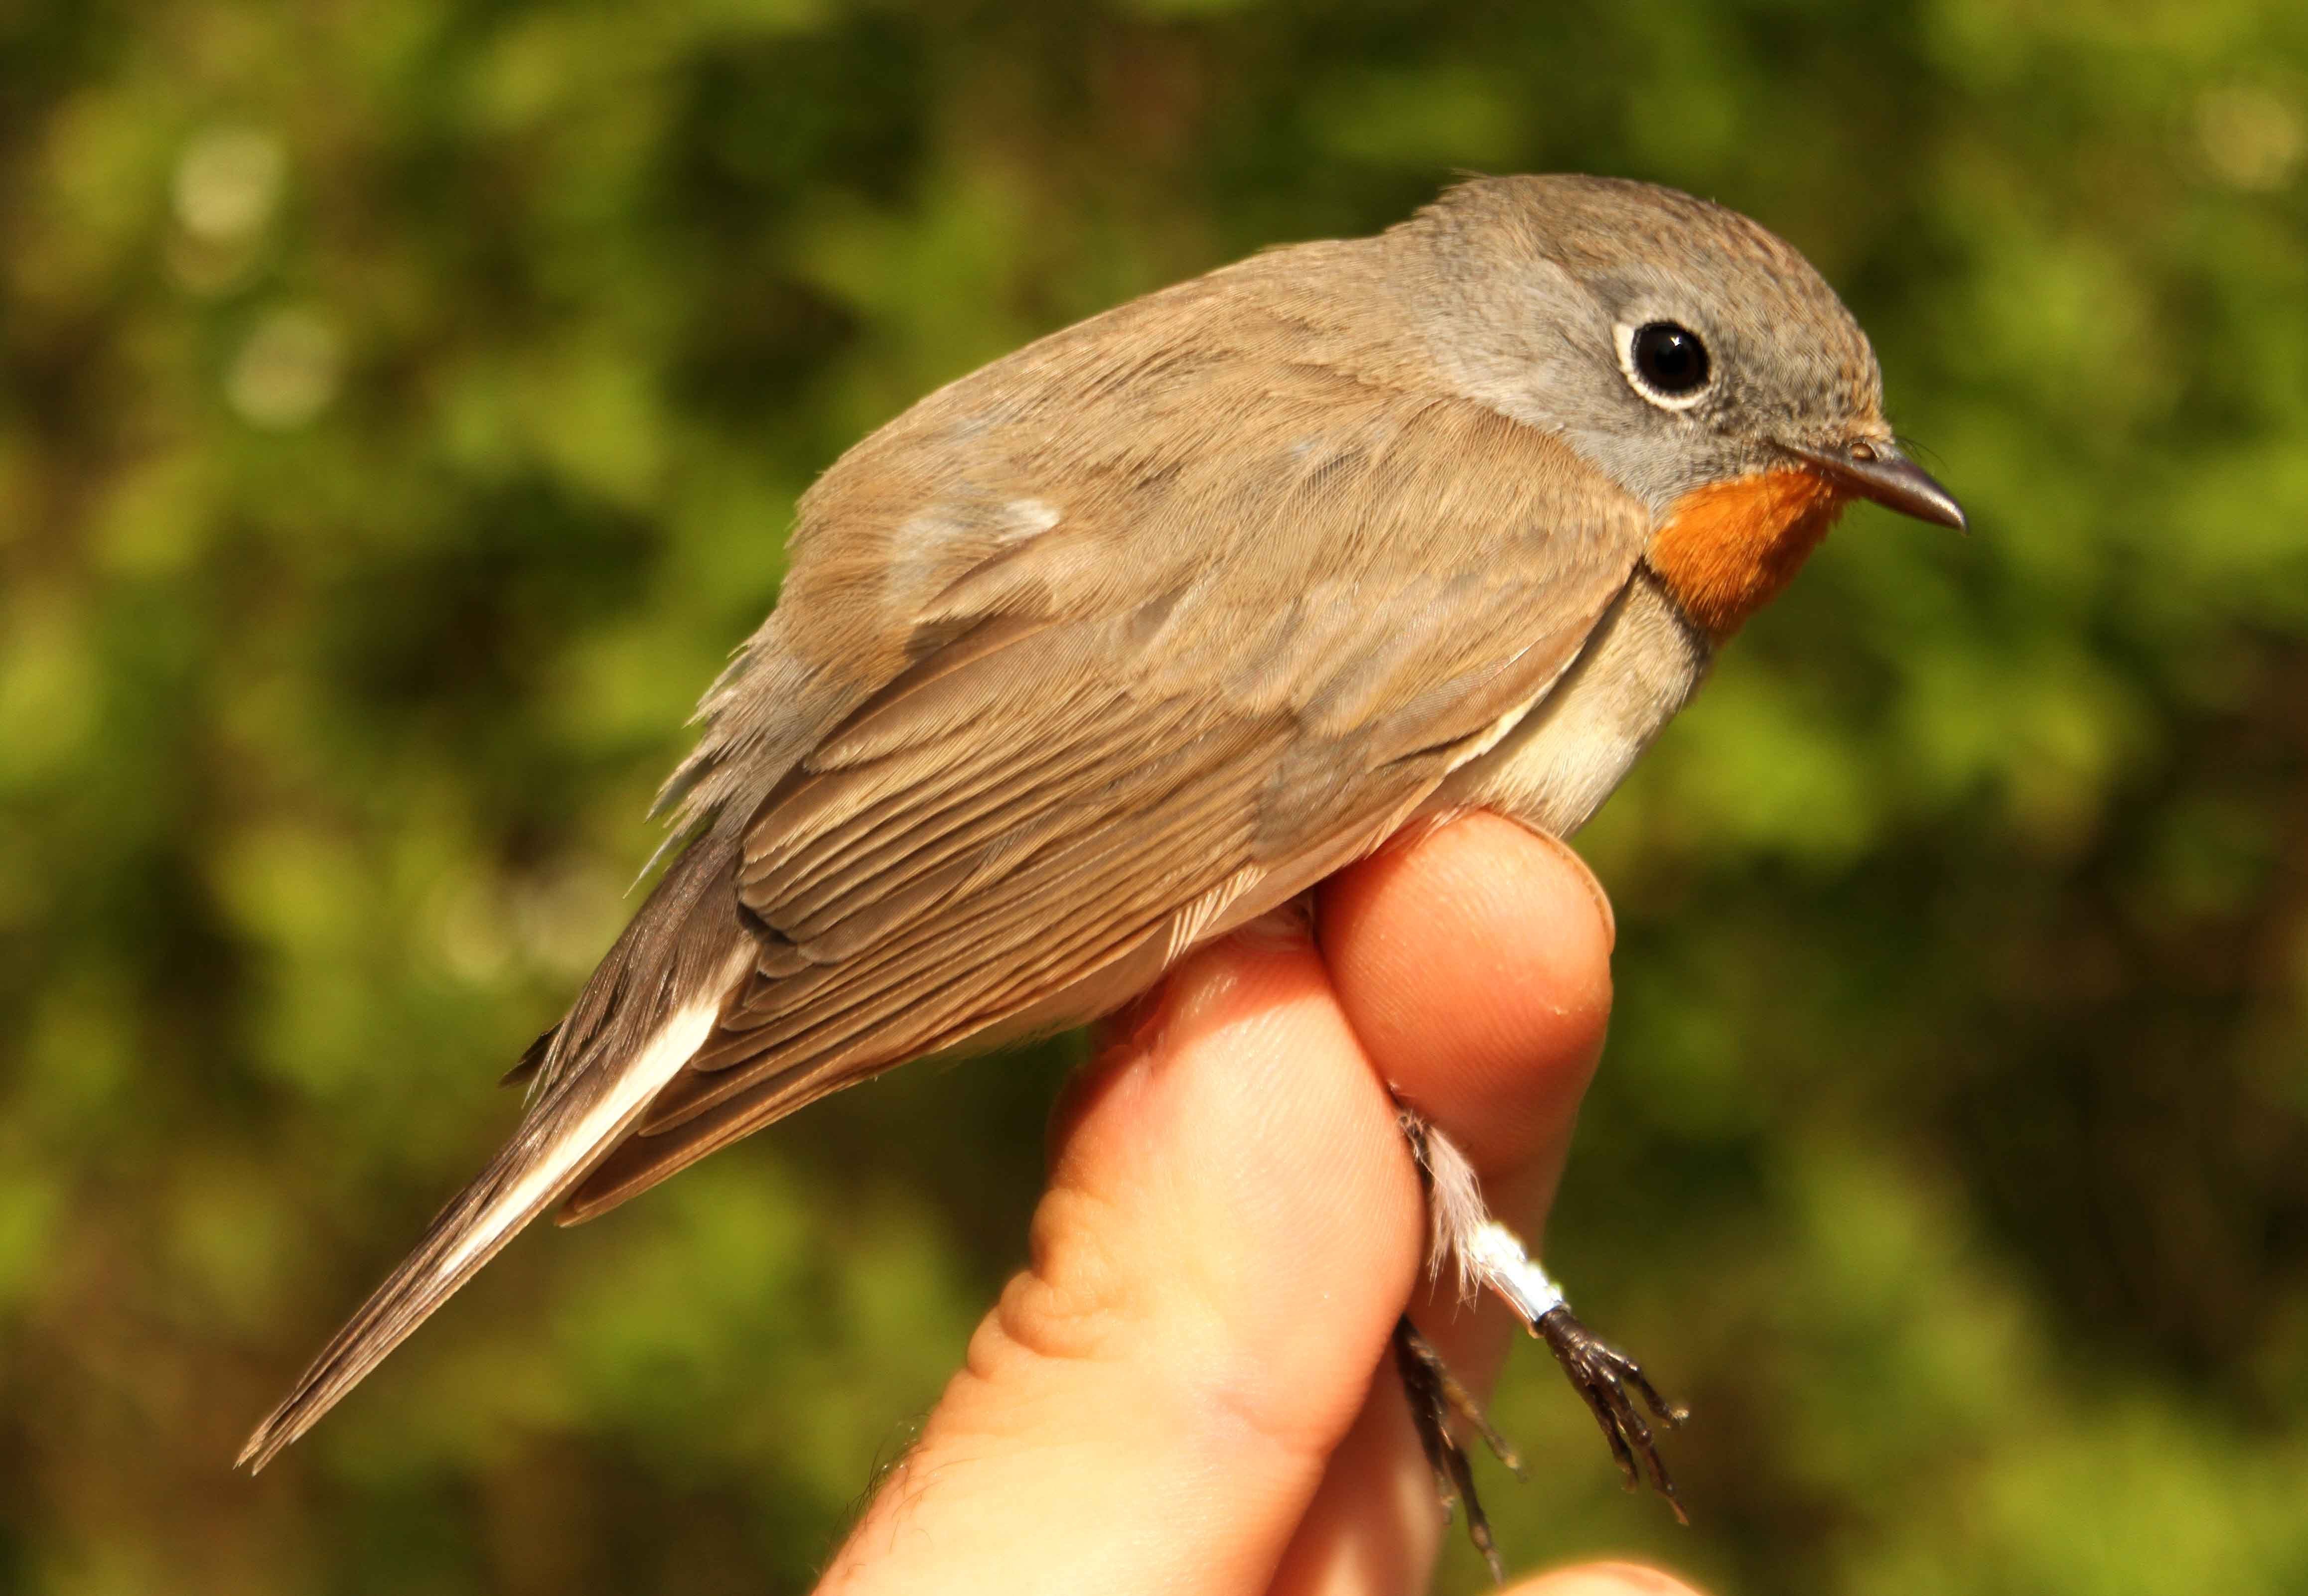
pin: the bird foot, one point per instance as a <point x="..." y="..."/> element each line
<point x="1491" y="1257"/>
<point x="1610" y="1381"/>
<point x="1437" y="1399"/>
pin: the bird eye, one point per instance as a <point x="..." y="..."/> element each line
<point x="1667" y="363"/>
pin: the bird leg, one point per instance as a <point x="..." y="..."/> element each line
<point x="1490" y="1257"/>
<point x="1436" y="1398"/>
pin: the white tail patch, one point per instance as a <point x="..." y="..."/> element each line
<point x="659" y="1059"/>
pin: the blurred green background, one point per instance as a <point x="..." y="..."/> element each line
<point x="402" y="409"/>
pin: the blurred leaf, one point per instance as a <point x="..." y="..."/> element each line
<point x="401" y="408"/>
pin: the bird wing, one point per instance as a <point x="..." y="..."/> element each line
<point x="1112" y="744"/>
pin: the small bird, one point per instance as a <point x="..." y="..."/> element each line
<point x="1137" y="634"/>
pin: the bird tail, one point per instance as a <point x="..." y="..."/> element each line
<point x="585" y="1099"/>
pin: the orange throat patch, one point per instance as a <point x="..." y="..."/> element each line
<point x="1725" y="550"/>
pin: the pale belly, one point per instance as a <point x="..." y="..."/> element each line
<point x="1563" y="758"/>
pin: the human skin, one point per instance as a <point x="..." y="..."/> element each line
<point x="1189" y="1388"/>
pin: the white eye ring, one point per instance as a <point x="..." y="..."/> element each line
<point x="1676" y="339"/>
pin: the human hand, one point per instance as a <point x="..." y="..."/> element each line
<point x="1190" y="1389"/>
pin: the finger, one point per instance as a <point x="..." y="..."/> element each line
<point x="1603" y="1579"/>
<point x="1475" y="964"/>
<point x="1374" y="1524"/>
<point x="1231" y="1228"/>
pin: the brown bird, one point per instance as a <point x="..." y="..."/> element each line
<point x="1139" y="632"/>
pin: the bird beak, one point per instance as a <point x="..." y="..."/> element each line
<point x="1877" y="471"/>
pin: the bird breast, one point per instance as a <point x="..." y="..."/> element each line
<point x="1641" y="665"/>
<point x="1724" y="550"/>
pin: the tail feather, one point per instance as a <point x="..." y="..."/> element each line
<point x="575" y="1122"/>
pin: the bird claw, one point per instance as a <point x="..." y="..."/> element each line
<point x="1616" y="1391"/>
<point x="1437" y="1398"/>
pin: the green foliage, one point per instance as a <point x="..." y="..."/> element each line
<point x="402" y="408"/>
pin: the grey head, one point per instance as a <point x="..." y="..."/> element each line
<point x="1673" y="342"/>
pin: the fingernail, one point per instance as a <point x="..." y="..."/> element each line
<point x="1570" y="856"/>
